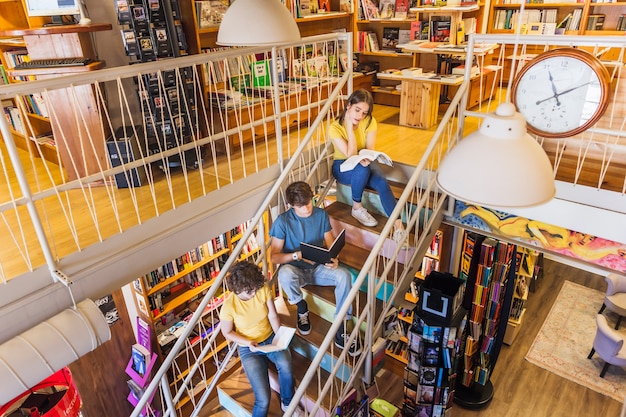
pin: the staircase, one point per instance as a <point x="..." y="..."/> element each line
<point x="235" y="394"/>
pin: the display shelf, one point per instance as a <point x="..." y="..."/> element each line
<point x="141" y="379"/>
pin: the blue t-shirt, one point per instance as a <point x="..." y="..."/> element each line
<point x="294" y="229"/>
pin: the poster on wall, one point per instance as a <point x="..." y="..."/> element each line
<point x="108" y="308"/>
<point x="556" y="239"/>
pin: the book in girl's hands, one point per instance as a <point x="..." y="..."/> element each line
<point x="372" y="155"/>
<point x="322" y="255"/>
<point x="281" y="341"/>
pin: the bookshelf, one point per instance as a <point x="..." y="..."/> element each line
<point x="447" y="25"/>
<point x="489" y="286"/>
<point x="385" y="56"/>
<point x="171" y="293"/>
<point x="13" y="16"/>
<point x="527" y="271"/>
<point x="67" y="41"/>
<point x="199" y="38"/>
<point x="571" y="16"/>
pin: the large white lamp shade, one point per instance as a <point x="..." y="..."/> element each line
<point x="257" y="22"/>
<point x="498" y="166"/>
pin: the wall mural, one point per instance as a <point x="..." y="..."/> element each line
<point x="597" y="250"/>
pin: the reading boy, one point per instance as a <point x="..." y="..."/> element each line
<point x="248" y="317"/>
<point x="303" y="222"/>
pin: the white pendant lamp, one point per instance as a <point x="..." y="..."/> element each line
<point x="257" y="22"/>
<point x="498" y="166"/>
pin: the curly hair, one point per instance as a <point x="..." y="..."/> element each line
<point x="245" y="277"/>
<point x="298" y="193"/>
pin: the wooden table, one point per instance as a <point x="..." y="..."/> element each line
<point x="419" y="97"/>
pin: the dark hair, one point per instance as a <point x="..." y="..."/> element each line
<point x="245" y="277"/>
<point x="358" y="96"/>
<point x="298" y="193"/>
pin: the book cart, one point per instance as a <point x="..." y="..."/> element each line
<point x="433" y="347"/>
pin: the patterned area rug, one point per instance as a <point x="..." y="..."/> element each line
<point x="566" y="337"/>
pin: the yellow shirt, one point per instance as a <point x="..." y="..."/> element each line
<point x="249" y="317"/>
<point x="337" y="130"/>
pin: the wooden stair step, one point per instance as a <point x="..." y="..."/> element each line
<point x="214" y="409"/>
<point x="235" y="395"/>
<point x="361" y="239"/>
<point x="397" y="188"/>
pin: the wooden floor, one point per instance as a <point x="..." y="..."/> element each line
<point x="522" y="389"/>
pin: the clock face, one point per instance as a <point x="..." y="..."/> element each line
<point x="561" y="92"/>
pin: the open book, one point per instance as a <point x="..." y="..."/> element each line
<point x="281" y="341"/>
<point x="351" y="162"/>
<point x="323" y="255"/>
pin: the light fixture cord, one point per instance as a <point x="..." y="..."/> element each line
<point x="518" y="31"/>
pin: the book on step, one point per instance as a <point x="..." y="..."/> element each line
<point x="369" y="154"/>
<point x="323" y="255"/>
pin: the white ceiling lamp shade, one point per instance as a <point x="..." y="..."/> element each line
<point x="257" y="22"/>
<point x="498" y="166"/>
<point x="39" y="352"/>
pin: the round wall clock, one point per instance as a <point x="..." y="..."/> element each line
<point x="561" y="92"/>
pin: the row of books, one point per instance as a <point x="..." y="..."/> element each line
<point x="385" y="9"/>
<point x="621" y="22"/>
<point x="595" y="22"/>
<point x="429" y="265"/>
<point x="507" y="19"/>
<point x="435" y="246"/>
<point x="494" y="259"/>
<point x="185" y="261"/>
<point x="36" y="104"/>
<point x="209" y="13"/>
<point x="308" y="8"/>
<point x="14" y="57"/>
<point x="193" y="279"/>
<point x="14" y="117"/>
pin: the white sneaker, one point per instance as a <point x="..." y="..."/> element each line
<point x="399" y="236"/>
<point x="364" y="217"/>
<point x="299" y="412"/>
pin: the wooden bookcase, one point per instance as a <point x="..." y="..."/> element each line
<point x="13" y="16"/>
<point x="52" y="42"/>
<point x="172" y="292"/>
<point x="501" y="16"/>
<point x="528" y="271"/>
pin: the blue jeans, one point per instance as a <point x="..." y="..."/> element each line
<point x="292" y="279"/>
<point x="255" y="366"/>
<point x="370" y="176"/>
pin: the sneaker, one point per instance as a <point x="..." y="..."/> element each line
<point x="304" y="325"/>
<point x="399" y="237"/>
<point x="364" y="217"/>
<point x="299" y="412"/>
<point x="355" y="347"/>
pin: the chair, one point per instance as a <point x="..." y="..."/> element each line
<point x="608" y="344"/>
<point x="615" y="298"/>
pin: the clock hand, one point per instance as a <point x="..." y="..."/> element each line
<point x="573" y="88"/>
<point x="556" y="95"/>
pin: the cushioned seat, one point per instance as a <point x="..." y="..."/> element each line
<point x="615" y="298"/>
<point x="608" y="344"/>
